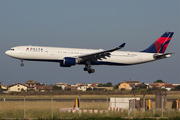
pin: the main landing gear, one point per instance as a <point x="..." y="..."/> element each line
<point x="22" y="64"/>
<point x="88" y="67"/>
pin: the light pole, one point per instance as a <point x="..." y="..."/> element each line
<point x="134" y="100"/>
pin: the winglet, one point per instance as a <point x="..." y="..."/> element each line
<point x="122" y="45"/>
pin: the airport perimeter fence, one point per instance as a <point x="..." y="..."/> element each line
<point x="65" y="106"/>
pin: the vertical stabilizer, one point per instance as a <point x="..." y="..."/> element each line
<point x="160" y="45"/>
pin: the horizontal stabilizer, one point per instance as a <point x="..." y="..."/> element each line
<point x="157" y="56"/>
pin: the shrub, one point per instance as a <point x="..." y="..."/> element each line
<point x="156" y="115"/>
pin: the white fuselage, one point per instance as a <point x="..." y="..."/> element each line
<point x="57" y="54"/>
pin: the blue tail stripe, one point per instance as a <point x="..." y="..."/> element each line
<point x="166" y="34"/>
<point x="166" y="42"/>
<point x="150" y="49"/>
<point x="162" y="46"/>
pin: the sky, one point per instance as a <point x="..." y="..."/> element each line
<point x="92" y="24"/>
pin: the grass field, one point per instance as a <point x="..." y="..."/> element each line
<point x="45" y="109"/>
<point x="148" y="96"/>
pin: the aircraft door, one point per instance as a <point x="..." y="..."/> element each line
<point x="139" y="57"/>
<point x="52" y="52"/>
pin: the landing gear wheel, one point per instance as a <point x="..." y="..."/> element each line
<point x="85" y="69"/>
<point x="22" y="64"/>
<point x="89" y="71"/>
<point x="93" y="70"/>
<point x="88" y="67"/>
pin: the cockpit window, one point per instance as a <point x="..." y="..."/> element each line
<point x="11" y="49"/>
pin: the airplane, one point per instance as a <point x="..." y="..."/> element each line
<point x="68" y="57"/>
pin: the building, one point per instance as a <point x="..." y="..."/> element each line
<point x="62" y="85"/>
<point x="158" y="85"/>
<point x="105" y="88"/>
<point x="17" y="87"/>
<point x="168" y="87"/>
<point x="71" y="88"/>
<point x="80" y="84"/>
<point x="31" y="85"/>
<point x="82" y="88"/>
<point x="142" y="85"/>
<point x="93" y="84"/>
<point x="43" y="87"/>
<point x="176" y="84"/>
<point x="128" y="85"/>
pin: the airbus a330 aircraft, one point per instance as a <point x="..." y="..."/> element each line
<point x="68" y="57"/>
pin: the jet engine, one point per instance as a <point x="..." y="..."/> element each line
<point x="68" y="62"/>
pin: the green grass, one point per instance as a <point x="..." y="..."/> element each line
<point x="148" y="96"/>
<point x="46" y="113"/>
<point x="43" y="109"/>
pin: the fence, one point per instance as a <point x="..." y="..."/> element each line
<point x="176" y="104"/>
<point x="161" y="99"/>
<point x="49" y="106"/>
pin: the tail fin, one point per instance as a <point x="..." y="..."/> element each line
<point x="160" y="45"/>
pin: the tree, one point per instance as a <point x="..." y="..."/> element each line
<point x="40" y="83"/>
<point x="116" y="87"/>
<point x="22" y="90"/>
<point x="57" y="88"/>
<point x="163" y="89"/>
<point x="100" y="85"/>
<point x="149" y="90"/>
<point x="89" y="89"/>
<point x="159" y="81"/>
<point x="68" y="89"/>
<point x="109" y="84"/>
<point x="100" y="89"/>
<point x="142" y="91"/>
<point x="177" y="88"/>
<point x="155" y="88"/>
<point x="142" y="87"/>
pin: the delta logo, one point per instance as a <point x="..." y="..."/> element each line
<point x="34" y="49"/>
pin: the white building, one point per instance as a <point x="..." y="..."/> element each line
<point x="82" y="88"/>
<point x="121" y="102"/>
<point x="176" y="84"/>
<point x="62" y="85"/>
<point x="93" y="84"/>
<point x="17" y="87"/>
<point x="168" y="87"/>
<point x="80" y="84"/>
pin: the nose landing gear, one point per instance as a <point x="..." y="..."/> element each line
<point x="22" y="64"/>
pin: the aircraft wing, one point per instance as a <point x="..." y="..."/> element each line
<point x="100" y="55"/>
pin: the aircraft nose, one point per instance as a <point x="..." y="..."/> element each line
<point x="7" y="52"/>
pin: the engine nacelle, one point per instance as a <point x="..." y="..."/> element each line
<point x="68" y="62"/>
